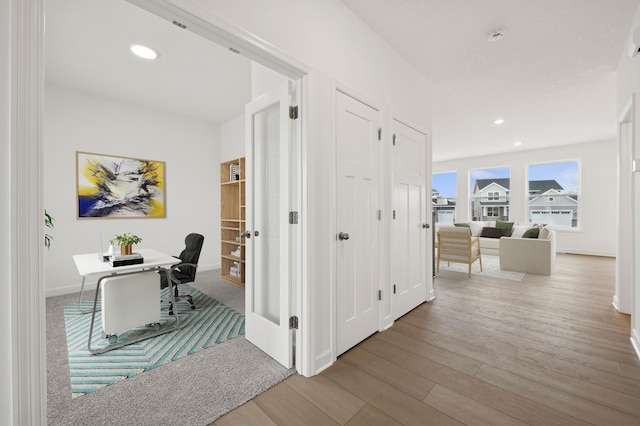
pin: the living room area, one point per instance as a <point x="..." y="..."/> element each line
<point x="578" y="179"/>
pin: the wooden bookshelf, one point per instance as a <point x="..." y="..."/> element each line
<point x="232" y="221"/>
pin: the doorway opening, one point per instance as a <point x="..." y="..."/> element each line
<point x="74" y="98"/>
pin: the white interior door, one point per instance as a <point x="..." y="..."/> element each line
<point x="409" y="237"/>
<point x="267" y="236"/>
<point x="357" y="221"/>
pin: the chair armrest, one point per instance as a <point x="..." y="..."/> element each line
<point x="176" y="267"/>
<point x="475" y="240"/>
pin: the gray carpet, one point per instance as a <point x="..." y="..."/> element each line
<point x="194" y="390"/>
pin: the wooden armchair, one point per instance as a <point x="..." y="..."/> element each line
<point x="457" y="245"/>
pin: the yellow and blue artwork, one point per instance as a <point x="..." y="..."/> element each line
<point x="119" y="187"/>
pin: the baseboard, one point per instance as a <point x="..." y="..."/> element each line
<point x="585" y="252"/>
<point x="323" y="361"/>
<point x="635" y="341"/>
<point x="615" y="303"/>
<point x="432" y="295"/>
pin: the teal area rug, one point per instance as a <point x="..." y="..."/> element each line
<point x="211" y="323"/>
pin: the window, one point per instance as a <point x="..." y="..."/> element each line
<point x="443" y="197"/>
<point x="553" y="193"/>
<point x="493" y="212"/>
<point x="489" y="195"/>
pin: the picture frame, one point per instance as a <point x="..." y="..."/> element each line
<point x="111" y="186"/>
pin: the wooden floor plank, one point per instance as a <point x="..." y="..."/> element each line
<point x="570" y="404"/>
<point x="547" y="350"/>
<point x="391" y="401"/>
<point x="371" y="416"/>
<point x="507" y="402"/>
<point x="586" y="372"/>
<point x="467" y="410"/>
<point x="248" y="414"/>
<point x="286" y="407"/>
<point x="398" y="377"/>
<point x="336" y="402"/>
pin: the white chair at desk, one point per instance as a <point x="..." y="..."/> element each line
<point x="130" y="295"/>
<point x="130" y="301"/>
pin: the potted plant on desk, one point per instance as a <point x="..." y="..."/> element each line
<point x="126" y="242"/>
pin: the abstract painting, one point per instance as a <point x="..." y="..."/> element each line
<point x="119" y="187"/>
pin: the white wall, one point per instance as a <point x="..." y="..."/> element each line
<point x="628" y="78"/>
<point x="264" y="80"/>
<point x="598" y="160"/>
<point x="232" y="140"/>
<point x="232" y="133"/>
<point x="326" y="36"/>
<point x="5" y="216"/>
<point x="77" y="121"/>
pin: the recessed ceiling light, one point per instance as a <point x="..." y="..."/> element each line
<point x="496" y="34"/>
<point x="499" y="121"/>
<point x="517" y="143"/>
<point x="144" y="51"/>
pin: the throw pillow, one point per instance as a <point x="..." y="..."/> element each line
<point x="461" y="225"/>
<point x="531" y="233"/>
<point x="476" y="228"/>
<point x="506" y="225"/>
<point x="545" y="233"/>
<point x="489" y="232"/>
<point x="519" y="230"/>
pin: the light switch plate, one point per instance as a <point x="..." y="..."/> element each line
<point x="635" y="165"/>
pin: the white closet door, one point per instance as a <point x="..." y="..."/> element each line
<point x="409" y="237"/>
<point x="357" y="222"/>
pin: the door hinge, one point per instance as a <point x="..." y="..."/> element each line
<point x="394" y="289"/>
<point x="379" y="294"/>
<point x="293" y="323"/>
<point x="379" y="214"/>
<point x="394" y="139"/>
<point x="293" y="218"/>
<point x="293" y="112"/>
<point x="394" y="215"/>
<point x="379" y="133"/>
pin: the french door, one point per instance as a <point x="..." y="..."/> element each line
<point x="268" y="235"/>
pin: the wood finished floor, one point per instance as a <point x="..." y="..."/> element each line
<point x="544" y="351"/>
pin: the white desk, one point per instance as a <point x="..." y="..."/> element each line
<point x="126" y="309"/>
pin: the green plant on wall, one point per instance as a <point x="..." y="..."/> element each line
<point x="48" y="222"/>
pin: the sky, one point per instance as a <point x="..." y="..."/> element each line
<point x="566" y="173"/>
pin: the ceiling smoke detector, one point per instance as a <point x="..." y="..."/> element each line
<point x="496" y="35"/>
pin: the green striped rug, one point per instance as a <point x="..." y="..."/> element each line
<point x="211" y="323"/>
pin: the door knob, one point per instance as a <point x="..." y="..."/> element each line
<point x="426" y="225"/>
<point x="343" y="236"/>
<point x="246" y="234"/>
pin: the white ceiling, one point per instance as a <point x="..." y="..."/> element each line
<point x="87" y="48"/>
<point x="552" y="77"/>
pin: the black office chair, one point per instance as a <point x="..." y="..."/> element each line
<point x="185" y="271"/>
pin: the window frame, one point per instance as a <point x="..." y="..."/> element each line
<point x="551" y="198"/>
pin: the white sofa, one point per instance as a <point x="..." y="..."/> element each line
<point x="532" y="255"/>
